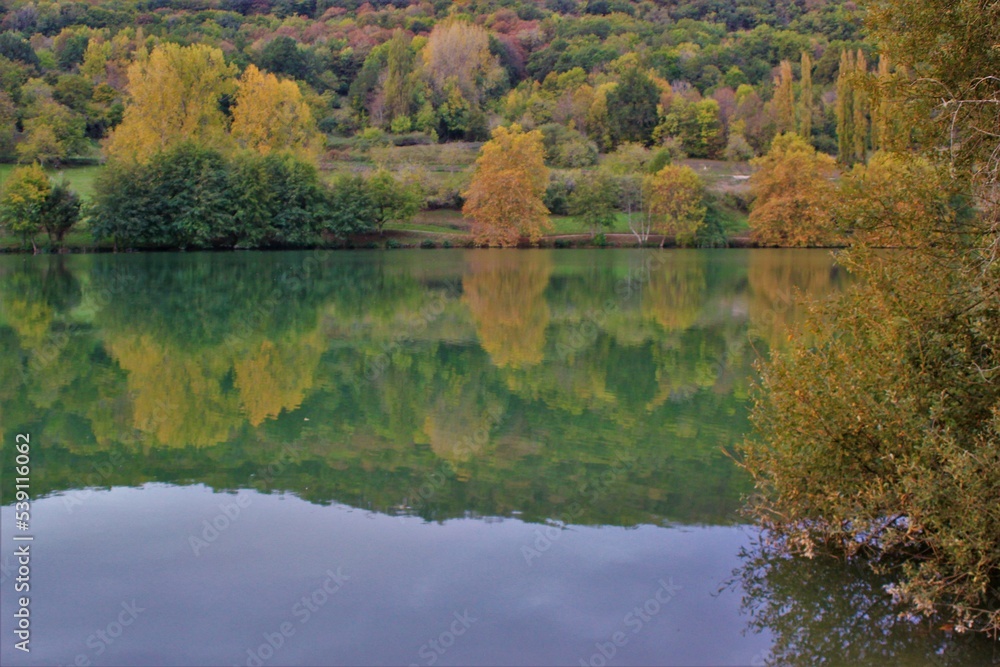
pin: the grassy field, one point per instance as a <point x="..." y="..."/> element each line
<point x="80" y="179"/>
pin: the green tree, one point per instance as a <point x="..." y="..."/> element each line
<point x="631" y="107"/>
<point x="594" y="200"/>
<point x="391" y="200"/>
<point x="60" y="212"/>
<point x="806" y="98"/>
<point x="399" y="87"/>
<point x="54" y="133"/>
<point x="22" y="203"/>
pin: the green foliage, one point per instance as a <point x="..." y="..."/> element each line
<point x="632" y="108"/>
<point x="567" y="148"/>
<point x="697" y="126"/>
<point x="196" y="197"/>
<point x="594" y="200"/>
<point x="61" y="211"/>
<point x="23" y="201"/>
<point x="391" y="200"/>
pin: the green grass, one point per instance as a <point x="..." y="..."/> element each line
<point x="75" y="239"/>
<point x="81" y="179"/>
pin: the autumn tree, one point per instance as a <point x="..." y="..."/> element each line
<point x="792" y="193"/>
<point x="877" y="432"/>
<point x="675" y="197"/>
<point x="784" y="98"/>
<point x="174" y="97"/>
<point x="271" y="115"/>
<point x="22" y="204"/>
<point x="504" y="199"/>
<point x="459" y="51"/>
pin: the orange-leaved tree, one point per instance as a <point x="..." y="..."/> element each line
<point x="504" y="199"/>
<point x="793" y="192"/>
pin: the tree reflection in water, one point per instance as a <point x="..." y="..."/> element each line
<point x="822" y="611"/>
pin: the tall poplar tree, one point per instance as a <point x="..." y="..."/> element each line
<point x="806" y="97"/>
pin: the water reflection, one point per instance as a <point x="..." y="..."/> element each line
<point x="595" y="389"/>
<point x="527" y="375"/>
<point x="823" y="612"/>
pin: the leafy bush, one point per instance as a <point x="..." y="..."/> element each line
<point x="738" y="149"/>
<point x="196" y="197"/>
<point x="567" y="148"/>
<point x="557" y="194"/>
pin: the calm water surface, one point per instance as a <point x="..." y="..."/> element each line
<point x="411" y="457"/>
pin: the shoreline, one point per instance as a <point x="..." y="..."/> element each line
<point x="402" y="240"/>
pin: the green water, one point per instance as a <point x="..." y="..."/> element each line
<point x="536" y="436"/>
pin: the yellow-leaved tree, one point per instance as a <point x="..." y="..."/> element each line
<point x="174" y="93"/>
<point x="793" y="192"/>
<point x="675" y="197"/>
<point x="504" y="199"/>
<point x="271" y="115"/>
<point x="459" y="51"/>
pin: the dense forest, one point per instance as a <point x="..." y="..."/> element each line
<point x="713" y="77"/>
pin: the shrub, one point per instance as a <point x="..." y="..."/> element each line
<point x="738" y="149"/>
<point x="557" y="194"/>
<point x="195" y="197"/>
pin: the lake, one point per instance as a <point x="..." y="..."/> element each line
<point x="423" y="457"/>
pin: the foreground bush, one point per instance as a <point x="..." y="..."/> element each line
<point x="191" y="197"/>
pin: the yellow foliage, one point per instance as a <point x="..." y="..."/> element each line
<point x="271" y="115"/>
<point x="675" y="294"/>
<point x="675" y="195"/>
<point x="793" y="192"/>
<point x="177" y="397"/>
<point x="174" y="97"/>
<point x="460" y="50"/>
<point x="276" y="377"/>
<point x="504" y="199"/>
<point x="506" y="295"/>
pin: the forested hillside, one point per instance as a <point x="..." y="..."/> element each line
<point x="706" y="78"/>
